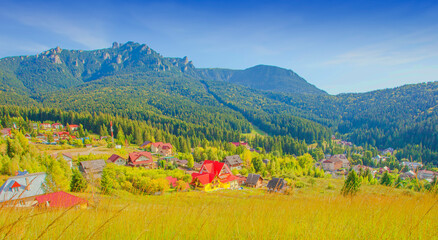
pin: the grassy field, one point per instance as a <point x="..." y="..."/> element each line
<point x="313" y="212"/>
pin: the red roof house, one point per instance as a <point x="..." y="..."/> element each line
<point x="74" y="127"/>
<point x="237" y="144"/>
<point x="172" y="181"/>
<point x="141" y="159"/>
<point x="214" y="175"/>
<point x="60" y="200"/>
<point x="164" y="149"/>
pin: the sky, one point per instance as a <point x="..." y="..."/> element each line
<point x="339" y="46"/>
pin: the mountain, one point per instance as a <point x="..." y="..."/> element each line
<point x="263" y="77"/>
<point x="133" y="81"/>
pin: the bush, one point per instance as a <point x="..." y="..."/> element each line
<point x="330" y="186"/>
<point x="299" y="184"/>
<point x="351" y="184"/>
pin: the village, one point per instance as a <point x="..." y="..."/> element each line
<point x="30" y="189"/>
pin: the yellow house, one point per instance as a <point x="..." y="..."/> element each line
<point x="214" y="175"/>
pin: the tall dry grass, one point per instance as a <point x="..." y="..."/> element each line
<point x="245" y="214"/>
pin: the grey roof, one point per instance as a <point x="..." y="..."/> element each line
<point x="276" y="183"/>
<point x="266" y="161"/>
<point x="93" y="166"/>
<point x="31" y="185"/>
<point x="339" y="157"/>
<point x="252" y="179"/>
<point x="233" y="160"/>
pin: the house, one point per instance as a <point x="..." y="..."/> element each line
<point x="88" y="145"/>
<point x="57" y="126"/>
<point x="379" y="159"/>
<point x="141" y="159"/>
<point x="92" y="169"/>
<point x="146" y="144"/>
<point x="67" y="157"/>
<point x="41" y="137"/>
<point x="6" y="132"/>
<point x="34" y="126"/>
<point x="237" y="144"/>
<point x="182" y="163"/>
<point x="60" y="200"/>
<point x="116" y="159"/>
<point x="363" y="168"/>
<point x="266" y="161"/>
<point x="427" y="175"/>
<point x="197" y="166"/>
<point x="21" y="190"/>
<point x="28" y="136"/>
<point x="342" y="158"/>
<point x="46" y="126"/>
<point x="172" y="181"/>
<point x="407" y="175"/>
<point x="214" y="175"/>
<point x="73" y="127"/>
<point x="276" y="185"/>
<point x="63" y="135"/>
<point x="388" y="151"/>
<point x="254" y="180"/>
<point x="331" y="165"/>
<point x="233" y="162"/>
<point x="164" y="149"/>
<point x="412" y="165"/>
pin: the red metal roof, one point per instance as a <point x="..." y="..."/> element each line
<point x="210" y="170"/>
<point x="16" y="184"/>
<point x="60" y="199"/>
<point x="172" y="180"/>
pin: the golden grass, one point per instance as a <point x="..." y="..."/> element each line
<point x="226" y="214"/>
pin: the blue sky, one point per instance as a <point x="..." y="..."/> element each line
<point x="339" y="46"/>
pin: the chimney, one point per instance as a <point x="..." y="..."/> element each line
<point x="27" y="185"/>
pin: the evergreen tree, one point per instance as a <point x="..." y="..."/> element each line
<point x="78" y="182"/>
<point x="351" y="184"/>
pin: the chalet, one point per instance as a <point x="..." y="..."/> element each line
<point x="92" y="169"/>
<point x="67" y="157"/>
<point x="41" y="137"/>
<point x="164" y="149"/>
<point x="182" y="163"/>
<point x="388" y="151"/>
<point x="6" y="132"/>
<point x="146" y="144"/>
<point x="407" y="175"/>
<point x="412" y="165"/>
<point x="60" y="200"/>
<point x="116" y="159"/>
<point x="141" y="159"/>
<point x="21" y="190"/>
<point x="214" y="175"/>
<point x="238" y="144"/>
<point x="197" y="166"/>
<point x="233" y="162"/>
<point x="276" y="185"/>
<point x="46" y="126"/>
<point x="342" y="158"/>
<point x="63" y="135"/>
<point x="379" y="159"/>
<point x="57" y="126"/>
<point x="28" y="136"/>
<point x="73" y="127"/>
<point x="172" y="181"/>
<point x="427" y="175"/>
<point x="254" y="180"/>
<point x="331" y="165"/>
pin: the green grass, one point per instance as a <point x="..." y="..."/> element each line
<point x="313" y="212"/>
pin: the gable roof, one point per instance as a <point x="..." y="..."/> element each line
<point x="233" y="160"/>
<point x="28" y="185"/>
<point x="67" y="155"/>
<point x="60" y="199"/>
<point x="211" y="169"/>
<point x="172" y="180"/>
<point x="93" y="165"/>
<point x="276" y="183"/>
<point x="114" y="158"/>
<point x="145" y="143"/>
<point x="136" y="155"/>
<point x="253" y="178"/>
<point x="339" y="157"/>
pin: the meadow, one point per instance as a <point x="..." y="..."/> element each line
<point x="312" y="212"/>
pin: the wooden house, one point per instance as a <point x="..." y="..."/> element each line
<point x="214" y="175"/>
<point x="254" y="180"/>
<point x="92" y="169"/>
<point x="233" y="162"/>
<point x="116" y="159"/>
<point x="276" y="185"/>
<point x="164" y="149"/>
<point x="141" y="159"/>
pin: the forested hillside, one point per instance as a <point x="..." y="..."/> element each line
<point x="134" y="82"/>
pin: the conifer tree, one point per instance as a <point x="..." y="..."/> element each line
<point x="351" y="184"/>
